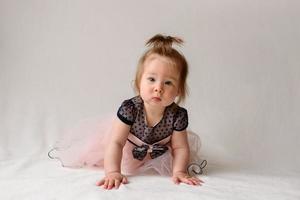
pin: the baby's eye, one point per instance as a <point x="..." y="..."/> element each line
<point x="168" y="83"/>
<point x="151" y="79"/>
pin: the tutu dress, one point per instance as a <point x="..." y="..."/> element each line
<point x="147" y="148"/>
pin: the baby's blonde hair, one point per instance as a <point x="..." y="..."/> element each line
<point x="162" y="45"/>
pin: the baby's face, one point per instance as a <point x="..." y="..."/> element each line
<point x="159" y="81"/>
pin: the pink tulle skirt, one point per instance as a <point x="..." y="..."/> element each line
<point x="85" y="145"/>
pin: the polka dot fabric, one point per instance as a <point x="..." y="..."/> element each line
<point x="132" y="113"/>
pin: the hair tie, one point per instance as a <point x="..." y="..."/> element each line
<point x="195" y="168"/>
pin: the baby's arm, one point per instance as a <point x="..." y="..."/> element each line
<point x="113" y="156"/>
<point x="181" y="155"/>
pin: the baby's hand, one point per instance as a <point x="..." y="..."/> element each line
<point x="112" y="180"/>
<point x="183" y="177"/>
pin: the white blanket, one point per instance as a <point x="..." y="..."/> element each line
<point x="37" y="177"/>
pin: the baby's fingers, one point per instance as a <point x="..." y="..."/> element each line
<point x="111" y="184"/>
<point x="176" y="180"/>
<point x="195" y="181"/>
<point x="106" y="183"/>
<point x="187" y="181"/>
<point x="117" y="184"/>
<point x="101" y="182"/>
<point x="124" y="180"/>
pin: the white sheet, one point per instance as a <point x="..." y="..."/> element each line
<point x="36" y="177"/>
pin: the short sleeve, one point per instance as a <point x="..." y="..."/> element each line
<point x="126" y="112"/>
<point x="181" y="120"/>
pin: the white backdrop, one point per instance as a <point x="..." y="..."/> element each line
<point x="64" y="61"/>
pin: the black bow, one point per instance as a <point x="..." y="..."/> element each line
<point x="140" y="152"/>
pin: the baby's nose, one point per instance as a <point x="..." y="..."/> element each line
<point x="158" y="89"/>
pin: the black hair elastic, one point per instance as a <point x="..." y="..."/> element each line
<point x="195" y="168"/>
<point x="52" y="157"/>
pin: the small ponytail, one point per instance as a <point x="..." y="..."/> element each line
<point x="163" y="42"/>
